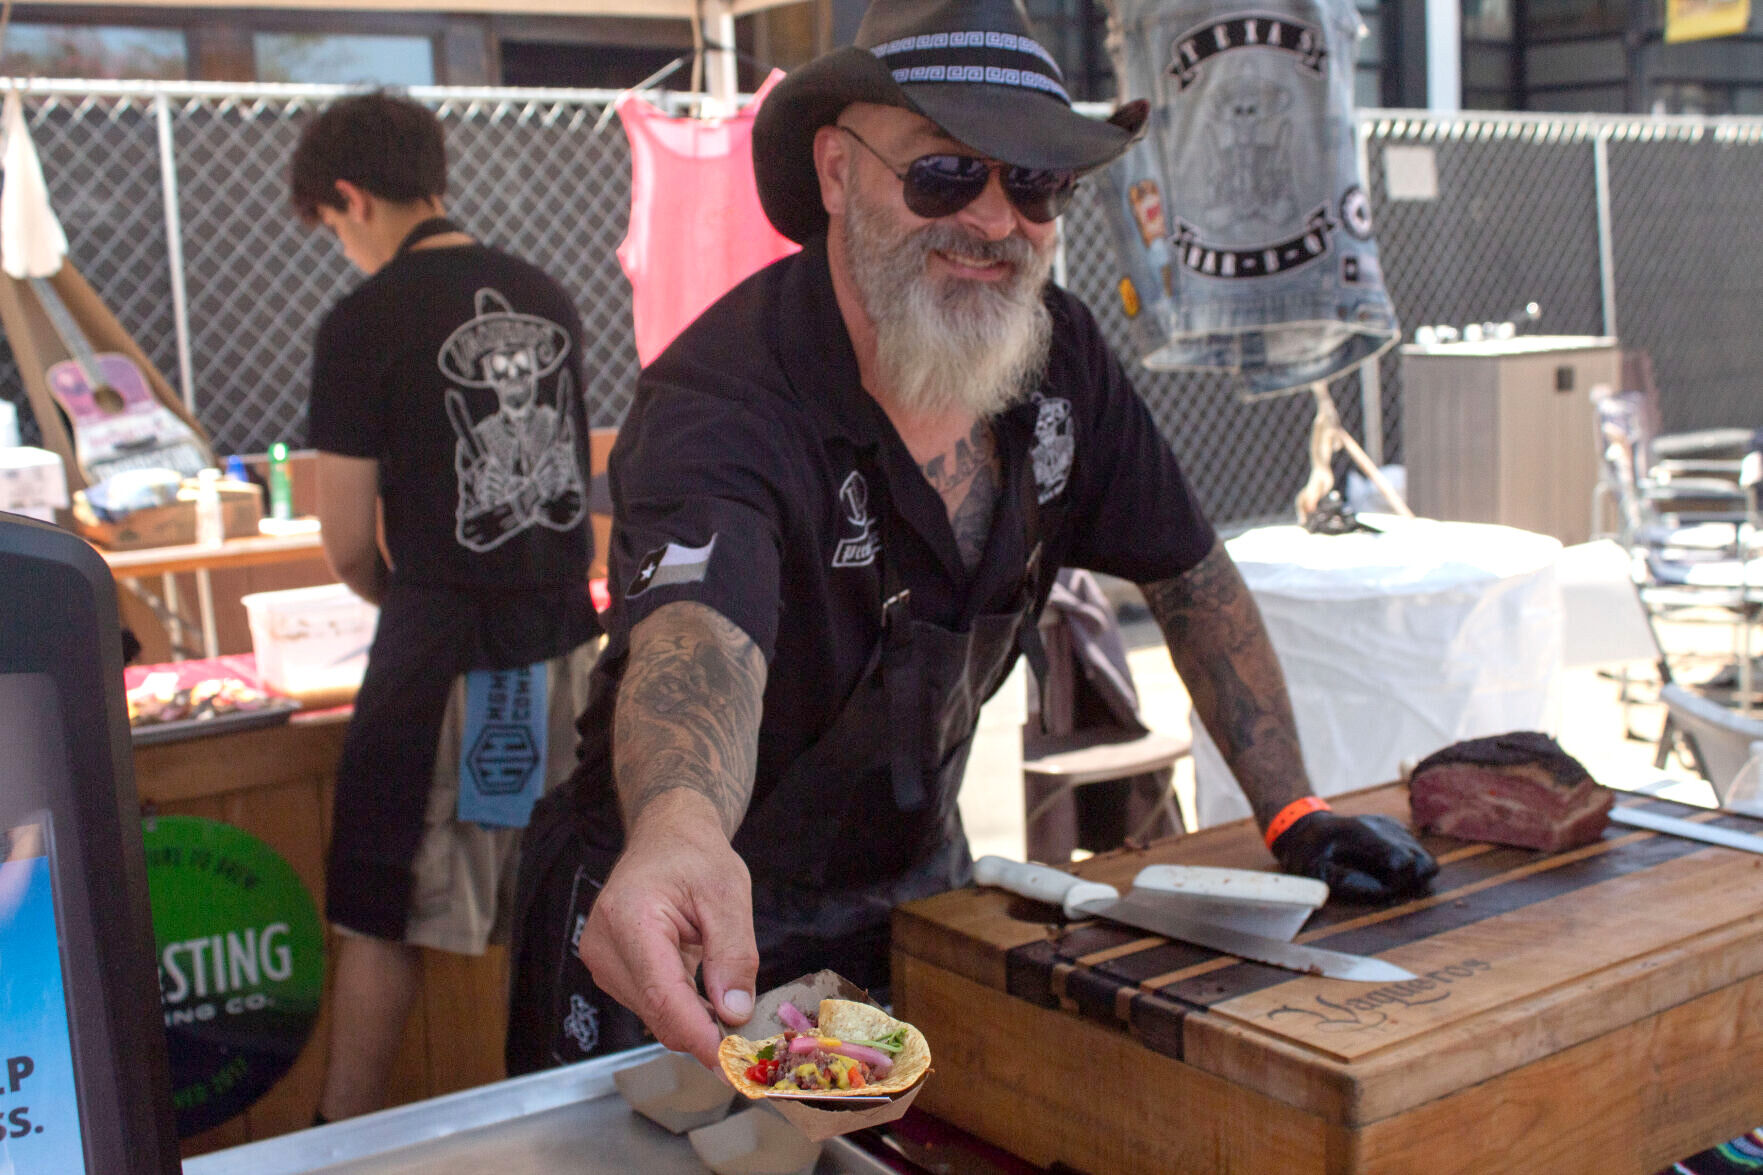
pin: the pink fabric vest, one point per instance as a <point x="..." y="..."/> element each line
<point x="696" y="227"/>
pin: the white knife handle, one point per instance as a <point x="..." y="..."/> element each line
<point x="1043" y="883"/>
<point x="1085" y="892"/>
<point x="1249" y="884"/>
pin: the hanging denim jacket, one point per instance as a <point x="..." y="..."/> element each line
<point x="1240" y="219"/>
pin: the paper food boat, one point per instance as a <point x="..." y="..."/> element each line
<point x="755" y="1142"/>
<point x="823" y="1118"/>
<point x="675" y="1092"/>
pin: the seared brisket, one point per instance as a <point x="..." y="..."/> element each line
<point x="1516" y="789"/>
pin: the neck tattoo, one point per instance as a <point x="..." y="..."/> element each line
<point x="967" y="478"/>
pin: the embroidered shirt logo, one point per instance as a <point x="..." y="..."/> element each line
<point x="671" y="564"/>
<point x="1054" y="447"/>
<point x="861" y="544"/>
<point x="582" y="1025"/>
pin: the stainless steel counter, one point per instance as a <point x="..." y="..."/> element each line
<point x="568" y="1121"/>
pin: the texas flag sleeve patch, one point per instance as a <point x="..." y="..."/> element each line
<point x="670" y="564"/>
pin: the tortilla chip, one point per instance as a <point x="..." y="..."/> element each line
<point x="846" y="1020"/>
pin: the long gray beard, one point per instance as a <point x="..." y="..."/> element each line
<point x="952" y="344"/>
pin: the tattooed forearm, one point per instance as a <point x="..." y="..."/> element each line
<point x="967" y="480"/>
<point x="688" y="712"/>
<point x="1221" y="650"/>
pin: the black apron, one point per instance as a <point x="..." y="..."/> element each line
<point x="427" y="637"/>
<point x="862" y="821"/>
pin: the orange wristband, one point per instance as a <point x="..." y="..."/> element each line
<point x="1291" y="814"/>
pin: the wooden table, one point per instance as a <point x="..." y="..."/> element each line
<point x="167" y="562"/>
<point x="1596" y="1011"/>
<point x="246" y="552"/>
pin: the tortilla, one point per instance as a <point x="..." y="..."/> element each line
<point x="846" y="1020"/>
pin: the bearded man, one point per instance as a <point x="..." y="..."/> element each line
<point x="842" y="496"/>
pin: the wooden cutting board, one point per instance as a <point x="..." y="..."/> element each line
<point x="1599" y="1010"/>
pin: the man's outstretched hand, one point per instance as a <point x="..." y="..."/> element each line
<point x="678" y="896"/>
<point x="1362" y="858"/>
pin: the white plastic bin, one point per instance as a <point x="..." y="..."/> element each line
<point x="311" y="643"/>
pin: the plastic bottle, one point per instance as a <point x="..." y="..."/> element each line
<point x="281" y="490"/>
<point x="235" y="470"/>
<point x="210" y="527"/>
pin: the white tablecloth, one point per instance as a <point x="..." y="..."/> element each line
<point x="1396" y="644"/>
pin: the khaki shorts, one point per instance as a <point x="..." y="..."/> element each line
<point x="463" y="884"/>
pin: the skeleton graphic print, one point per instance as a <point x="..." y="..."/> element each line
<point x="1253" y="177"/>
<point x="516" y="467"/>
<point x="1055" y="445"/>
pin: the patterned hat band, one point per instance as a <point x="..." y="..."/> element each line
<point x="988" y="58"/>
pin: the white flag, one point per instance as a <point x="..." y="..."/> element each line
<point x="31" y="241"/>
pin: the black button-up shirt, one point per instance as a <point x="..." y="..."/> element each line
<point x="756" y="476"/>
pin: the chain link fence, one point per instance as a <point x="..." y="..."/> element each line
<point x="173" y="197"/>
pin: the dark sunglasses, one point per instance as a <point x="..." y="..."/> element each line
<point x="941" y="185"/>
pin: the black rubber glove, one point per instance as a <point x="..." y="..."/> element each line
<point x="1362" y="858"/>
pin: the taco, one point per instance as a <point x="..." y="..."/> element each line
<point x="849" y="1048"/>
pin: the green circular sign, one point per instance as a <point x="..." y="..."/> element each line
<point x="241" y="964"/>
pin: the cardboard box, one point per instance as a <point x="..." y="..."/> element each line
<point x="33" y="482"/>
<point x="172" y="525"/>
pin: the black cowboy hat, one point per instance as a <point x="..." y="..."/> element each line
<point x="973" y="67"/>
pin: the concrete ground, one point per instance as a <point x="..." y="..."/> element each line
<point x="1617" y="748"/>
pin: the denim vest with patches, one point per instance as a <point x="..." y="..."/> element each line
<point x="1240" y="219"/>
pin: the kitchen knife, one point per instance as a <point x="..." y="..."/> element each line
<point x="1089" y="899"/>
<point x="1272" y="904"/>
<point x="1688" y="829"/>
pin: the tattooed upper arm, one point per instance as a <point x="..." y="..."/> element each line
<point x="1225" y="660"/>
<point x="688" y="711"/>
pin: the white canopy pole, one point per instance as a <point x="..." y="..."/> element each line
<point x="717" y="19"/>
<point x="1444" y="56"/>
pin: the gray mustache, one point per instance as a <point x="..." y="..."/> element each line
<point x="945" y="238"/>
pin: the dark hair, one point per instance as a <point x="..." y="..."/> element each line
<point x="390" y="147"/>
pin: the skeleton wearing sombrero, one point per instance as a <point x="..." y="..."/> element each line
<point x="516" y="467"/>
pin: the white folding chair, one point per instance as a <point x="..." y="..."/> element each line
<point x="1693" y="539"/>
<point x="1718" y="741"/>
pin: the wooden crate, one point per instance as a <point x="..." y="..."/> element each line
<point x="1595" y="1011"/>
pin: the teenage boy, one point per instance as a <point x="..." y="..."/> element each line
<point x="447" y="410"/>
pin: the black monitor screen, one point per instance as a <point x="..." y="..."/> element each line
<point x="40" y="1105"/>
<point x="83" y="1084"/>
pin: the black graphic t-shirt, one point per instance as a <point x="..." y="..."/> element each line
<point x="459" y="370"/>
<point x="756" y="476"/>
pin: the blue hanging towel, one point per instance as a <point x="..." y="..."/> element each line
<point x="502" y="755"/>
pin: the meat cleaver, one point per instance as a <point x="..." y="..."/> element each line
<point x="1090" y="899"/>
<point x="1275" y="905"/>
